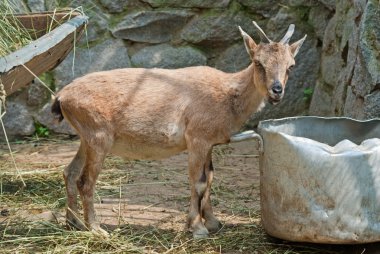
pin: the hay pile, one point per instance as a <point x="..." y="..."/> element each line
<point x="12" y="34"/>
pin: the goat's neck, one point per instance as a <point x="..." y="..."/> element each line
<point x="244" y="96"/>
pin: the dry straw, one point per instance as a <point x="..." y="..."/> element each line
<point x="12" y="34"/>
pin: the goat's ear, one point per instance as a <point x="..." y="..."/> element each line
<point x="295" y="47"/>
<point x="249" y="43"/>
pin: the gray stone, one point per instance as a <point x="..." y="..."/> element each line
<point x="166" y="56"/>
<point x="217" y="29"/>
<point x="330" y="4"/>
<point x="365" y="74"/>
<point x="37" y="94"/>
<point x="361" y="81"/>
<point x="46" y="118"/>
<point x="97" y="28"/>
<point x="277" y="25"/>
<point x="151" y="26"/>
<point x="50" y="5"/>
<point x="189" y="4"/>
<point x="264" y="8"/>
<point x="18" y="6"/>
<point x="36" y="5"/>
<point x="370" y="40"/>
<point x="332" y="64"/>
<point x="350" y="59"/>
<point x="115" y="6"/>
<point x="321" y="103"/>
<point x="298" y="3"/>
<point x="353" y="105"/>
<point x="110" y="54"/>
<point x="372" y="105"/>
<point x="318" y="18"/>
<point x="18" y="120"/>
<point x="234" y="59"/>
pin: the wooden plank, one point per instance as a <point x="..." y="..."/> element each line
<point x="41" y="55"/>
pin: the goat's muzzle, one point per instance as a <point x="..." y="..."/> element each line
<point x="275" y="93"/>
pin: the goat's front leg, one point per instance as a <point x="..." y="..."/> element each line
<point x="211" y="222"/>
<point x="200" y="179"/>
<point x="86" y="186"/>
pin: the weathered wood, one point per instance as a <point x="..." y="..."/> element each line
<point x="40" y="56"/>
<point x="41" y="23"/>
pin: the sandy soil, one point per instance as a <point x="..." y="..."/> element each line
<point x="156" y="193"/>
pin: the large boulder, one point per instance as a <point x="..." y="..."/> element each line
<point x="37" y="94"/>
<point x="216" y="29"/>
<point x="98" y="20"/>
<point x="166" y="56"/>
<point x="115" y="6"/>
<point x="350" y="66"/>
<point x="330" y="4"/>
<point x="318" y="18"/>
<point x="151" y="26"/>
<point x="188" y="4"/>
<point x="36" y="5"/>
<point x="234" y="59"/>
<point x="108" y="55"/>
<point x="18" y="121"/>
<point x="264" y="8"/>
<point x="372" y="105"/>
<point x="47" y="119"/>
<point x="370" y="41"/>
<point x="18" y="6"/>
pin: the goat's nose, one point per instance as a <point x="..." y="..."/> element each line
<point x="277" y="88"/>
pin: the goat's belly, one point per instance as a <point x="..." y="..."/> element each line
<point x="131" y="150"/>
<point x="147" y="142"/>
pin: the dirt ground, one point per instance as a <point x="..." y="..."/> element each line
<point x="155" y="194"/>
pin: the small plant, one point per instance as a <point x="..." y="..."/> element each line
<point x="41" y="130"/>
<point x="307" y="93"/>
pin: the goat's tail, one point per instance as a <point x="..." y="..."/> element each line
<point x="56" y="109"/>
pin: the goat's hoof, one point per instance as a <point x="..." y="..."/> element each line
<point x="213" y="226"/>
<point x="200" y="233"/>
<point x="97" y="230"/>
<point x="75" y="224"/>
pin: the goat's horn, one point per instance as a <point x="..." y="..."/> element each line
<point x="242" y="32"/>
<point x="288" y="35"/>
<point x="261" y="31"/>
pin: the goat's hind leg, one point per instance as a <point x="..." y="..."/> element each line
<point x="86" y="185"/>
<point x="71" y="175"/>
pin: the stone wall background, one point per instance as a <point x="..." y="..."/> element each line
<point x="339" y="61"/>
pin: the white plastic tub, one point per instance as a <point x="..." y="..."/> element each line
<point x="320" y="179"/>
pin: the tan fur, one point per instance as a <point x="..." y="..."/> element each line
<point x="156" y="113"/>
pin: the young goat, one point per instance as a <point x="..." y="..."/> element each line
<point x="155" y="113"/>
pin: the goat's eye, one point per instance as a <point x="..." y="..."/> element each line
<point x="290" y="68"/>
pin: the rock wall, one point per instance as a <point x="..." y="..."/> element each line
<point x="339" y="60"/>
<point x="349" y="81"/>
